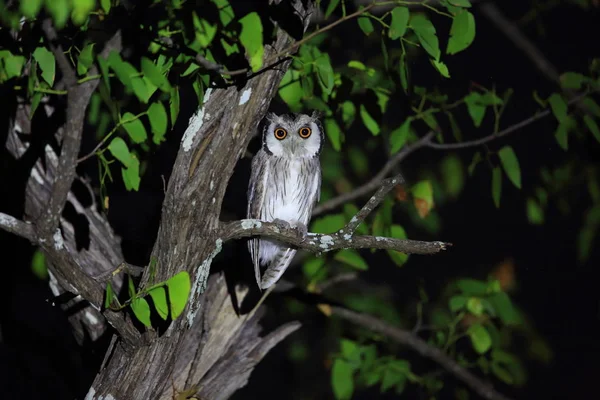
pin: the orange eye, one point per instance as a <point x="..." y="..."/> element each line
<point x="280" y="133"/>
<point x="304" y="132"/>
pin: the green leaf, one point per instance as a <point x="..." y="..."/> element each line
<point x="174" y="105"/>
<point x="462" y="32"/>
<point x="342" y="380"/>
<point x="348" y="112"/>
<point x="457" y="303"/>
<point x="134" y="127"/>
<point x="423" y="197"/>
<point x="140" y="89"/>
<point x="334" y="133"/>
<point x="226" y="14"/>
<point x="118" y="148"/>
<point x="331" y="7"/>
<point x="441" y="67"/>
<point x="351" y="258"/>
<point x="108" y="296"/>
<point x="365" y="25"/>
<point x="399" y="22"/>
<point x="124" y="70"/>
<point x="562" y="132"/>
<point x="477" y="158"/>
<point x="398" y="232"/>
<point x="158" y="121"/>
<point x="325" y="72"/>
<point x="141" y="310"/>
<point x="179" y="290"/>
<point x="403" y="72"/>
<point x="103" y="64"/>
<point x="38" y="265"/>
<point x="592" y="126"/>
<point x="475" y="107"/>
<point x="328" y="224"/>
<point x="159" y="298"/>
<point x="81" y="10"/>
<point x="252" y="39"/>
<point x="591" y="106"/>
<point x="35" y="102"/>
<point x="572" y="80"/>
<point x="425" y="32"/>
<point x="496" y="185"/>
<point x="152" y="72"/>
<point x="535" y="213"/>
<point x="105" y="5"/>
<point x="13" y="64"/>
<point x="399" y="136"/>
<point x="204" y="31"/>
<point x="30" y="8"/>
<point x="504" y="308"/>
<point x="391" y="378"/>
<point x="558" y="106"/>
<point x="86" y="59"/>
<point x="369" y="122"/>
<point x="130" y="286"/>
<point x="480" y="338"/>
<point x="475" y="306"/>
<point x="59" y="10"/>
<point x="290" y="90"/>
<point x="312" y="269"/>
<point x="45" y="60"/>
<point x="453" y="174"/>
<point x="131" y="174"/>
<point x="585" y="241"/>
<point x="502" y="373"/>
<point x="472" y="287"/>
<point x="510" y="163"/>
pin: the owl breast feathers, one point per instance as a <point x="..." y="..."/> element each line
<point x="284" y="185"/>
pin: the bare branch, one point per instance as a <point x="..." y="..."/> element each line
<point x="78" y="97"/>
<point x="18" y="227"/>
<point x="322" y="243"/>
<point x="377" y="179"/>
<point x="502" y="133"/>
<point x="411" y="340"/>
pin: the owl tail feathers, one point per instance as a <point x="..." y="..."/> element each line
<point x="277" y="267"/>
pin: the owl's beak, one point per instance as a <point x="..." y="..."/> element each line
<point x="293" y="146"/>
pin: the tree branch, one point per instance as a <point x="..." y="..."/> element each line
<point x="375" y="182"/>
<point x="422" y="347"/>
<point x="322" y="243"/>
<point x="78" y="97"/>
<point x="17" y="227"/>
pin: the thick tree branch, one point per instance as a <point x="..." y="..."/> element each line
<point x="78" y="97"/>
<point x="18" y="227"/>
<point x="411" y="340"/>
<point x="322" y="243"/>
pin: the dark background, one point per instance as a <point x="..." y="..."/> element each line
<point x="39" y="357"/>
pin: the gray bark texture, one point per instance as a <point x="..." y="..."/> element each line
<point x="210" y="351"/>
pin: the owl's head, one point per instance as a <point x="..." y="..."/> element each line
<point x="293" y="135"/>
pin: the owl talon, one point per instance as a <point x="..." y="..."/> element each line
<point x="281" y="224"/>
<point x="302" y="230"/>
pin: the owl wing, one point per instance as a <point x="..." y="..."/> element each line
<point x="256" y="201"/>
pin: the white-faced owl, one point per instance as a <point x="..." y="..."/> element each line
<point x="285" y="185"/>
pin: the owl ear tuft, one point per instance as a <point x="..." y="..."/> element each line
<point x="316" y="114"/>
<point x="271" y="116"/>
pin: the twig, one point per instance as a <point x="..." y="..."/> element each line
<point x="504" y="132"/>
<point x="322" y="243"/>
<point x="411" y="340"/>
<point x="17" y="227"/>
<point x="375" y="182"/>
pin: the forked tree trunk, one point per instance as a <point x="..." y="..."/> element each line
<point x="209" y="351"/>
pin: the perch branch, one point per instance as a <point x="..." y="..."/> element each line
<point x="411" y="340"/>
<point x="17" y="227"/>
<point x="322" y="243"/>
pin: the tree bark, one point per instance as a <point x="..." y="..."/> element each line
<point x="210" y="350"/>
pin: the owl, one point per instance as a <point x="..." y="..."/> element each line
<point x="285" y="185"/>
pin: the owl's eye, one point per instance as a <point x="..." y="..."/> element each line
<point x="304" y="132"/>
<point x="280" y="133"/>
